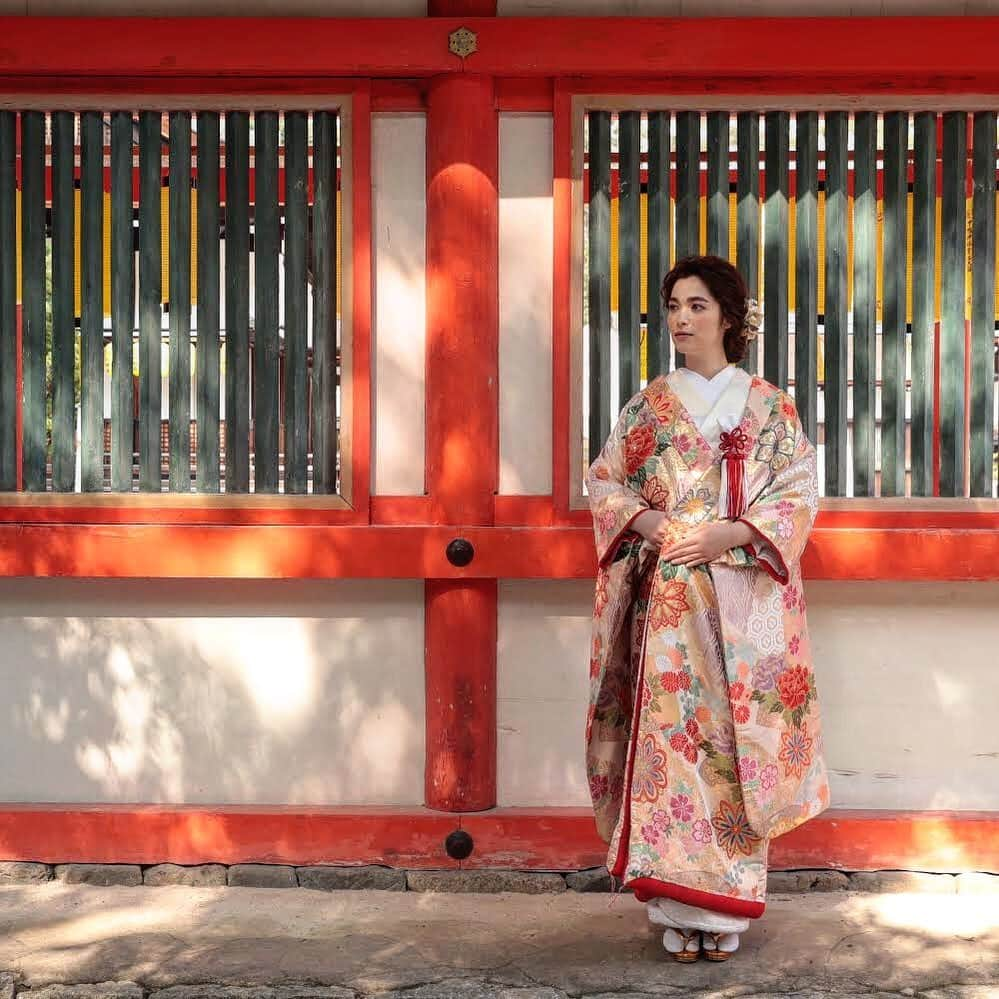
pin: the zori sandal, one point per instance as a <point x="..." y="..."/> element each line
<point x="683" y="945"/>
<point x="720" y="946"/>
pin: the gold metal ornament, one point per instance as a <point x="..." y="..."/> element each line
<point x="462" y="42"/>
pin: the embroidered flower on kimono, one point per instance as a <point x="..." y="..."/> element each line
<point x="680" y="741"/>
<point x="650" y="834"/>
<point x="656" y="494"/>
<point x="733" y="830"/>
<point x="795" y="751"/>
<point x="682" y="443"/>
<point x="681" y="807"/>
<point x="601" y="596"/>
<point x="775" y="447"/>
<point x="649" y="773"/>
<point x="702" y="831"/>
<point x="599" y="785"/>
<point x="785" y="529"/>
<point x="668" y="603"/>
<point x="692" y="729"/>
<point x="793" y="687"/>
<point x="785" y="508"/>
<point x="748" y="769"/>
<point x="765" y="671"/>
<point x="768" y="777"/>
<point x="673" y="681"/>
<point x="787" y="408"/>
<point x="794" y="645"/>
<point x="607" y="521"/>
<point x="646" y="694"/>
<point x="737" y="691"/>
<point x="638" y="447"/>
<point x="661" y="819"/>
<point x="741" y="713"/>
<point x="790" y="595"/>
<point x="602" y="473"/>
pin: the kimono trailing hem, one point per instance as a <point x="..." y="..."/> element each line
<point x="646" y="889"/>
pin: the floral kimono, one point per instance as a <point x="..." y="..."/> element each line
<point x="703" y="736"/>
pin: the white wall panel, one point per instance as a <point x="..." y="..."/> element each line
<point x="908" y="676"/>
<point x="525" y="304"/>
<point x="399" y="209"/>
<point x="297" y="692"/>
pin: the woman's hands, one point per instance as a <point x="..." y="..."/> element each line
<point x="707" y="541"/>
<point x="652" y="525"/>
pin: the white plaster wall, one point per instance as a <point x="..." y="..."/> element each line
<point x="908" y="675"/>
<point x="525" y="303"/>
<point x="399" y="226"/>
<point x="299" y="692"/>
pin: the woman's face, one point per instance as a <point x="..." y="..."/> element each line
<point x="695" y="319"/>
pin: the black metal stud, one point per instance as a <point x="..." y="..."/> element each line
<point x="460" y="552"/>
<point x="459" y="845"/>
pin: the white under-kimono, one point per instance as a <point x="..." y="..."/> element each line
<point x="703" y="734"/>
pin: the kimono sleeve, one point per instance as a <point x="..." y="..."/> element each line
<point x="613" y="503"/>
<point x="781" y="516"/>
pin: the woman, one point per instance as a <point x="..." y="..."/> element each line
<point x="703" y="734"/>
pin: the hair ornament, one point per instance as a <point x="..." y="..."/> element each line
<point x="754" y="319"/>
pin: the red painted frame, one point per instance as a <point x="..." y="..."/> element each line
<point x="547" y="839"/>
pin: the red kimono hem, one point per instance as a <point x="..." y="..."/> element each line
<point x="647" y="889"/>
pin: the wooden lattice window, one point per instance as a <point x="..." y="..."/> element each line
<point x="171" y="318"/>
<point x="868" y="236"/>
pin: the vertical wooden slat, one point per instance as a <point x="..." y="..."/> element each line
<point x="896" y="139"/>
<point x="265" y="312"/>
<point x="324" y="305"/>
<point x="122" y="302"/>
<point x="835" y="337"/>
<point x="91" y="302"/>
<point x="237" y="302"/>
<point x="598" y="280"/>
<point x="864" y="299"/>
<point x="33" y="297"/>
<point x="952" y="332"/>
<point x="747" y="217"/>
<point x="63" y="327"/>
<point x="806" y="253"/>
<point x="180" y="301"/>
<point x="629" y="308"/>
<point x="775" y="248"/>
<point x="983" y="304"/>
<point x="658" y="345"/>
<point x="688" y="182"/>
<point x="8" y="303"/>
<point x="296" y="413"/>
<point x="207" y="353"/>
<point x="150" y="302"/>
<point x="718" y="232"/>
<point x="924" y="194"/>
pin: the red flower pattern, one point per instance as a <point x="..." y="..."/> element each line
<point x="793" y="687"/>
<point x="638" y="447"/>
<point x="681" y="807"/>
<point x="668" y="603"/>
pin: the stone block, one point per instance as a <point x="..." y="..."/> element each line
<point x="352" y="878"/>
<point x="262" y="876"/>
<point x="976" y="883"/>
<point x="592" y="879"/>
<point x="22" y="872"/>
<point x="902" y="881"/>
<point x="7" y="985"/>
<point x="827" y="881"/>
<point x="525" y="882"/>
<point x="210" y="991"/>
<point x="101" y="875"/>
<point x="196" y="876"/>
<point x="781" y="882"/>
<point x="98" y="990"/>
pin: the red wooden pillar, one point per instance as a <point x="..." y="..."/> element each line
<point x="462" y="444"/>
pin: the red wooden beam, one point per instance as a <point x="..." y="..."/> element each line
<point x="869" y="52"/>
<point x="462" y="436"/>
<point x="153" y="551"/>
<point x="514" y="838"/>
